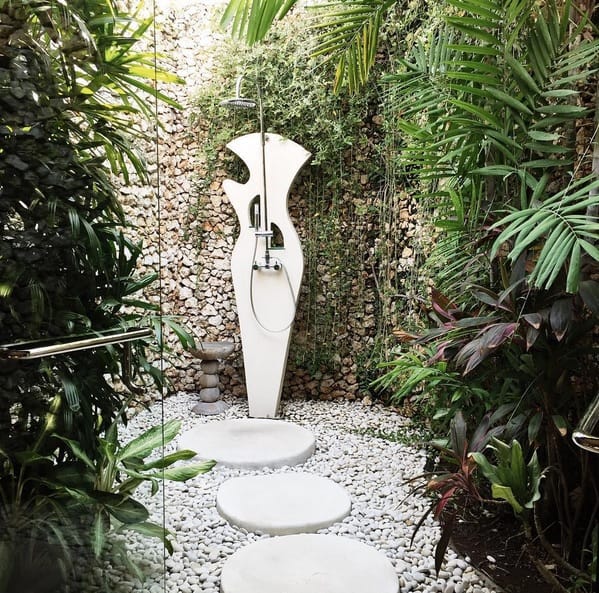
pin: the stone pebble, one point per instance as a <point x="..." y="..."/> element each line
<point x="372" y="470"/>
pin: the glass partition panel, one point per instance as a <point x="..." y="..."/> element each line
<point x="81" y="340"/>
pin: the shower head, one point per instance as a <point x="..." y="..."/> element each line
<point x="239" y="102"/>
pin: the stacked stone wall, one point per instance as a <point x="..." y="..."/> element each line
<point x="198" y="229"/>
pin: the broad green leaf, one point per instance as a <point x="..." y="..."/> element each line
<point x="150" y="530"/>
<point x="476" y="33"/>
<point x="98" y="535"/>
<point x="77" y="450"/>
<point x="153" y="438"/>
<point x="126" y="510"/>
<point x="529" y="236"/>
<point x="180" y="455"/>
<point x="560" y="93"/>
<point x="186" y="472"/>
<point x="477" y="111"/>
<point x="569" y="110"/>
<point x="554" y="252"/>
<point x="482" y="9"/>
<point x="486" y="467"/>
<point x="522" y="75"/>
<point x="534" y="481"/>
<point x="505" y="493"/>
<point x="474" y="49"/>
<point x="555" y="266"/>
<point x="518" y="469"/>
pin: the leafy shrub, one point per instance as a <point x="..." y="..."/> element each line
<point x="71" y="87"/>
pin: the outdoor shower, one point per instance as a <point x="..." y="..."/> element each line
<point x="259" y="213"/>
<point x="266" y="276"/>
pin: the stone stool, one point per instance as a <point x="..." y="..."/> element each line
<point x="211" y="353"/>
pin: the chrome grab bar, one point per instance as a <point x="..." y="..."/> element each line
<point x="35" y="349"/>
<point x="588" y="424"/>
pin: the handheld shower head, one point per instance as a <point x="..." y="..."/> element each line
<point x="239" y="102"/>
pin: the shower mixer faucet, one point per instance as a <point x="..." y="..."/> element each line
<point x="267" y="263"/>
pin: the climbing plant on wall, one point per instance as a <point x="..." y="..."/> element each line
<point x="333" y="203"/>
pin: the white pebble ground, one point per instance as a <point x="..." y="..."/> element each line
<point x="373" y="470"/>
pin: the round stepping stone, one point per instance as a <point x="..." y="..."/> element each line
<point x="250" y="442"/>
<point x="308" y="563"/>
<point x="282" y="504"/>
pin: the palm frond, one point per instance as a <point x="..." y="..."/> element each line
<point x="350" y="36"/>
<point x="560" y="228"/>
<point x="252" y="19"/>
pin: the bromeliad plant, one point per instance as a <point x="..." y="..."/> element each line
<point x="512" y="479"/>
<point x="518" y="483"/>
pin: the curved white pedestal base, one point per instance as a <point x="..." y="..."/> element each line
<point x="250" y="442"/>
<point x="308" y="563"/>
<point x="282" y="504"/>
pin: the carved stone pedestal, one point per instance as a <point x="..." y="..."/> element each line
<point x="211" y="353"/>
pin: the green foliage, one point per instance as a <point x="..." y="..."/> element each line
<point x="489" y="103"/>
<point x="349" y="32"/>
<point x="568" y="232"/>
<point x="113" y="478"/>
<point x="456" y="482"/>
<point x="488" y="106"/>
<point x="349" y="35"/>
<point x="254" y="19"/>
<point x="512" y="479"/>
<point x="432" y="385"/>
<point x="72" y="87"/>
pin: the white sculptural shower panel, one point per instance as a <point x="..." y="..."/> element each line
<point x="267" y="263"/>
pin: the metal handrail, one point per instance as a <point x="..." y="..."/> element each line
<point x="588" y="424"/>
<point x="36" y="349"/>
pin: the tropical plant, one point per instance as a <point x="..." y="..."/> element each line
<point x="69" y="79"/>
<point x="541" y="341"/>
<point x="108" y="483"/>
<point x="457" y="484"/>
<point x="488" y="105"/>
<point x="488" y="108"/>
<point x="518" y="483"/>
<point x="73" y="88"/>
<point x="436" y="390"/>
<point x="349" y="31"/>
<point x="512" y="479"/>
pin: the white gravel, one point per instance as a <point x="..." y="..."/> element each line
<point x="373" y="470"/>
